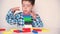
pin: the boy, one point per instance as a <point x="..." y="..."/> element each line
<point x="27" y="17"/>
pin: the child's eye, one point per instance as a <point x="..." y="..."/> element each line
<point x="26" y="5"/>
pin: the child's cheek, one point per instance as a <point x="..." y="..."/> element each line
<point x="29" y="8"/>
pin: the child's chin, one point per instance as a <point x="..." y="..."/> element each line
<point x="26" y="12"/>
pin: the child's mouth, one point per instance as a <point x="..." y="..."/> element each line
<point x="25" y="10"/>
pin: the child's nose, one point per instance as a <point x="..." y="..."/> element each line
<point x="25" y="7"/>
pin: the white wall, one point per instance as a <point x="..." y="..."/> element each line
<point x="47" y="9"/>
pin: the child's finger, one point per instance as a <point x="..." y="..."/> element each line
<point x="33" y="15"/>
<point x="15" y="9"/>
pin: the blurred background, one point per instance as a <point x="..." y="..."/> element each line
<point x="47" y="9"/>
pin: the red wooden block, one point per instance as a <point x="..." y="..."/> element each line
<point x="2" y="29"/>
<point x="38" y="30"/>
<point x="26" y="30"/>
<point x="17" y="31"/>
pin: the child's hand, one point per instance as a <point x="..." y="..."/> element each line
<point x="33" y="15"/>
<point x="15" y="9"/>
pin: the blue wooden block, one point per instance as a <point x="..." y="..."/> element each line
<point x="21" y="31"/>
<point x="34" y="31"/>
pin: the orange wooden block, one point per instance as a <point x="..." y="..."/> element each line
<point x="38" y="30"/>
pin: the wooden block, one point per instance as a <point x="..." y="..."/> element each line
<point x="38" y="30"/>
<point x="17" y="31"/>
<point x="45" y="30"/>
<point x="26" y="30"/>
<point x="35" y="32"/>
<point x="2" y="29"/>
<point x="7" y="32"/>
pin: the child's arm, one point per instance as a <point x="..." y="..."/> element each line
<point x="37" y="20"/>
<point x="10" y="17"/>
<point x="16" y="19"/>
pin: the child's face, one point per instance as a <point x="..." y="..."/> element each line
<point x="26" y="6"/>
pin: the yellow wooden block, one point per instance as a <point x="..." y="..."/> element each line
<point x="44" y="30"/>
<point x="7" y="32"/>
<point x="11" y="30"/>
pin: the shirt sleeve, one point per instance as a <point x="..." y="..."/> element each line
<point x="37" y="22"/>
<point x="10" y="17"/>
<point x="16" y="19"/>
<point x="19" y="18"/>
